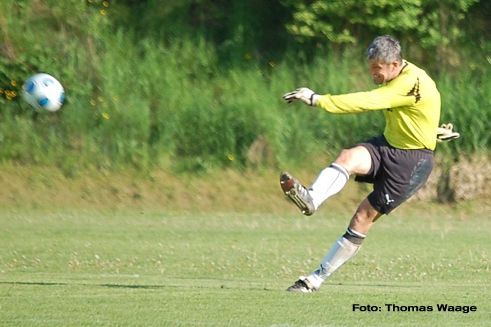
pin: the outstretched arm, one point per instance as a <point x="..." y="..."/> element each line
<point x="381" y="98"/>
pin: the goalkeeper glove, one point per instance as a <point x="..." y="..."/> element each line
<point x="306" y="95"/>
<point x="445" y="133"/>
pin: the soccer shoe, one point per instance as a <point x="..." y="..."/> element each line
<point x="302" y="286"/>
<point x="297" y="193"/>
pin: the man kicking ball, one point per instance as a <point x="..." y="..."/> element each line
<point x="397" y="163"/>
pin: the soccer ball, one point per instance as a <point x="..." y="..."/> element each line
<point x="43" y="92"/>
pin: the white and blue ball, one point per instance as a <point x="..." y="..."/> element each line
<point x="43" y="92"/>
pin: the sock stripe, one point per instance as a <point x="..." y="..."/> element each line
<point x="329" y="182"/>
<point x="340" y="169"/>
<point x="355" y="233"/>
<point x="354" y="236"/>
<point x="332" y="182"/>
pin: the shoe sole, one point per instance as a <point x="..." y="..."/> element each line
<point x="298" y="290"/>
<point x="287" y="184"/>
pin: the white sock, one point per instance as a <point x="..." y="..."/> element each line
<point x="330" y="181"/>
<point x="341" y="251"/>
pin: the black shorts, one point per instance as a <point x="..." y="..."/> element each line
<point x="396" y="174"/>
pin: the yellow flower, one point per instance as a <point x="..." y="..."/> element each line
<point x="230" y="157"/>
<point x="102" y="12"/>
<point x="105" y="3"/>
<point x="106" y="116"/>
<point x="10" y="94"/>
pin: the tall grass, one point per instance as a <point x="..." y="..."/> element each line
<point x="466" y="103"/>
<point x="146" y="102"/>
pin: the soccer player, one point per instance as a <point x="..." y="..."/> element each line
<point x="397" y="163"/>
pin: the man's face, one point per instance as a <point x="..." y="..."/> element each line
<point x="382" y="72"/>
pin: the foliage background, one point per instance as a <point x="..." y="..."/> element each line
<point x="197" y="84"/>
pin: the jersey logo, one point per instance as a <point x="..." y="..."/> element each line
<point x="415" y="91"/>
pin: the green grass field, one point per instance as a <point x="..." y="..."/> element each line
<point x="136" y="268"/>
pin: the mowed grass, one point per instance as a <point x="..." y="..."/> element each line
<point x="129" y="268"/>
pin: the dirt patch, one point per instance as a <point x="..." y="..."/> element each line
<point x="227" y="190"/>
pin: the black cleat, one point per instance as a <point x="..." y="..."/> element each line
<point x="302" y="286"/>
<point x="297" y="193"/>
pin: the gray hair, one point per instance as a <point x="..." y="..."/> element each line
<point x="384" y="49"/>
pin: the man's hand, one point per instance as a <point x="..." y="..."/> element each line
<point x="446" y="133"/>
<point x="306" y="95"/>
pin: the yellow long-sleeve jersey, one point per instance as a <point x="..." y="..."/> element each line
<point x="411" y="104"/>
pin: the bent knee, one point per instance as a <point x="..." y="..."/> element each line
<point x="344" y="157"/>
<point x="345" y="160"/>
<point x="355" y="160"/>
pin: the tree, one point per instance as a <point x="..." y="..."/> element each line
<point x="432" y="24"/>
